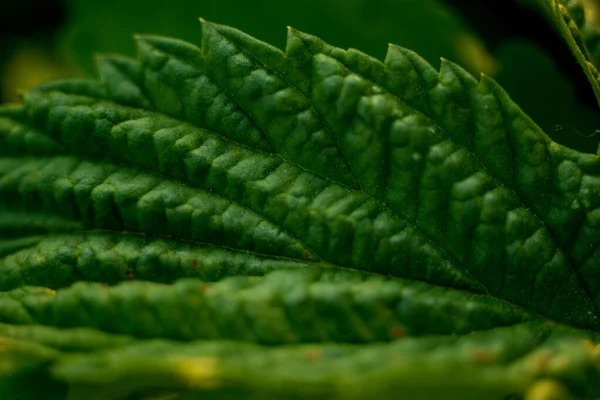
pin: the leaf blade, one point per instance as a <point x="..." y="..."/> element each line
<point x="398" y="178"/>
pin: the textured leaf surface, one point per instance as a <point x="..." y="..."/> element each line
<point x="491" y="365"/>
<point x="381" y="201"/>
<point x="283" y="307"/>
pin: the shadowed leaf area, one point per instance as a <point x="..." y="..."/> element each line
<point x="234" y="221"/>
<point x="578" y="24"/>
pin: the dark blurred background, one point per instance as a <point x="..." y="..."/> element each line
<point x="45" y="40"/>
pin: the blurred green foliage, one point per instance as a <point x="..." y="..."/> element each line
<point x="425" y="26"/>
<point x="532" y="78"/>
<point x="432" y="28"/>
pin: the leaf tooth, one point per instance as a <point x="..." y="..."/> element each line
<point x="161" y="46"/>
<point x="263" y="51"/>
<point x="300" y="47"/>
<point x="76" y="86"/>
<point x="181" y="87"/>
<point x="409" y="77"/>
<point x="533" y="175"/>
<point x="283" y="112"/>
<point x="303" y="45"/>
<point x="121" y="77"/>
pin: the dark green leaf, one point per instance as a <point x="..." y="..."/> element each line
<point x="392" y="199"/>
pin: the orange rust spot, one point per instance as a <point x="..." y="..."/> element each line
<point x="482" y="356"/>
<point x="236" y="153"/>
<point x="205" y="287"/>
<point x="308" y="255"/>
<point x="540" y="362"/>
<point x="104" y="285"/>
<point x="130" y="274"/>
<point x="195" y="262"/>
<point x="591" y="346"/>
<point x="396" y="332"/>
<point x="313" y="354"/>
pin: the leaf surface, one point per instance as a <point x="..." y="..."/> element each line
<point x="381" y="201"/>
<point x="491" y="364"/>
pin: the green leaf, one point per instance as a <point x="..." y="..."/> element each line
<point x="306" y="305"/>
<point x="491" y="365"/>
<point x="381" y="201"/>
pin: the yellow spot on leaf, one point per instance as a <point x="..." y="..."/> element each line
<point x="313" y="354"/>
<point x="200" y="372"/>
<point x="547" y="389"/>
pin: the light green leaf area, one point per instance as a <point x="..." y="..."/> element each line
<point x="578" y="22"/>
<point x="342" y="226"/>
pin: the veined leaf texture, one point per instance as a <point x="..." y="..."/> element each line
<point x="346" y="227"/>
